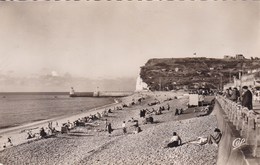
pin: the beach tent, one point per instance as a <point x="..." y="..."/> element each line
<point x="193" y="99"/>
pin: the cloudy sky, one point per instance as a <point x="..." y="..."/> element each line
<point x="99" y="40"/>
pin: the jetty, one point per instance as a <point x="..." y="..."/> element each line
<point x="100" y="93"/>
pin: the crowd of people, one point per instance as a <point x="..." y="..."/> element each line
<point x="245" y="97"/>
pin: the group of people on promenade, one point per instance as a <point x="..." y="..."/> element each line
<point x="245" y="98"/>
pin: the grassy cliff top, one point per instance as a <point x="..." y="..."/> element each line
<point x="175" y="73"/>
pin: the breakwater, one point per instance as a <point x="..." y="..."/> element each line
<point x="240" y="144"/>
<point x="102" y="94"/>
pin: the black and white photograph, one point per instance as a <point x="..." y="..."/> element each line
<point x="129" y="82"/>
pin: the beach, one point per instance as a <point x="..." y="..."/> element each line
<point x="91" y="144"/>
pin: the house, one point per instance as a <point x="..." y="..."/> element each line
<point x="240" y="57"/>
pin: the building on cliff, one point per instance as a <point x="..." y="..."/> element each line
<point x="251" y="79"/>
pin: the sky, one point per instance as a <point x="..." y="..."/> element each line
<point x="111" y="40"/>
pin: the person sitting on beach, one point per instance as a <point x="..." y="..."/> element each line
<point x="137" y="130"/>
<point x="76" y="122"/>
<point x="153" y="111"/>
<point x="216" y="137"/>
<point x="9" y="141"/>
<point x="104" y="114"/>
<point x="43" y="134"/>
<point x="50" y="125"/>
<point x="153" y="103"/>
<point x="70" y="125"/>
<point x="85" y="119"/>
<point x="175" y="141"/>
<point x="144" y="113"/>
<point x="211" y="139"/>
<point x="30" y="135"/>
<point x="140" y="100"/>
<point x="95" y="117"/>
<point x="162" y="108"/>
<point x="168" y="107"/>
<point x="132" y="120"/>
<point x="204" y="111"/>
<point x="179" y="111"/>
<point x="159" y="111"/>
<point x="136" y="123"/>
<point x="98" y="115"/>
<point x="91" y="116"/>
<point x="149" y="120"/>
<point x="141" y="113"/>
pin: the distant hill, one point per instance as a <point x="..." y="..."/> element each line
<point x="176" y="73"/>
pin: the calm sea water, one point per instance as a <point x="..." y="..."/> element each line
<point x="21" y="108"/>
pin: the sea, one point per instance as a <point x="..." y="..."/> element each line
<point x="22" y="108"/>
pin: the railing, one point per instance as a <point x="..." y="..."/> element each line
<point x="247" y="122"/>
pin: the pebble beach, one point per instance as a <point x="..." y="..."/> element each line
<point x="92" y="145"/>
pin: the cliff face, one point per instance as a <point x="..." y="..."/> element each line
<point x="175" y="73"/>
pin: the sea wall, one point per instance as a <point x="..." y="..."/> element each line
<point x="239" y="143"/>
<point x="226" y="153"/>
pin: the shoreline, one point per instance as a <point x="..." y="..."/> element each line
<point x="91" y="144"/>
<point x="40" y="121"/>
<point x="15" y="132"/>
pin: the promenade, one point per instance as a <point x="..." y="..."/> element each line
<point x="241" y="133"/>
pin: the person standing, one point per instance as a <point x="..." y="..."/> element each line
<point x="226" y="94"/>
<point x="106" y="124"/>
<point x="168" y="107"/>
<point x="109" y="128"/>
<point x="247" y="98"/>
<point x="141" y="113"/>
<point x="124" y="127"/>
<point x="10" y="141"/>
<point x="234" y="96"/>
<point x="237" y="94"/>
